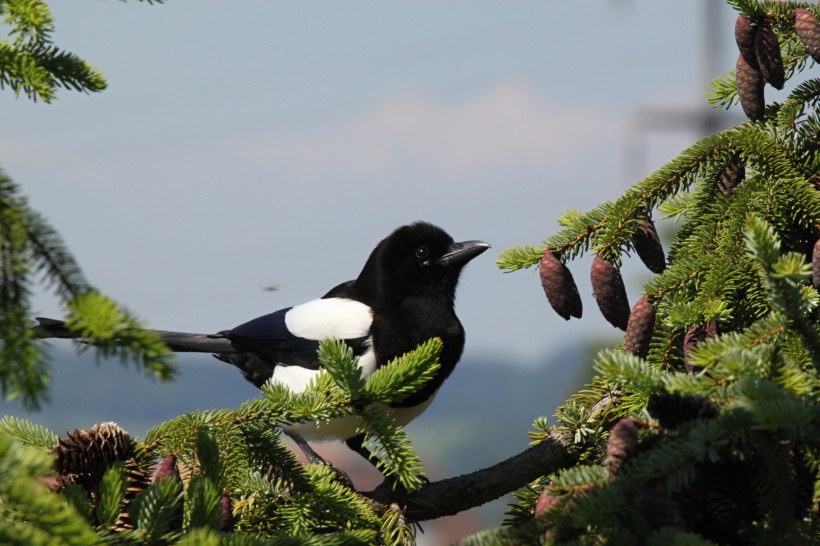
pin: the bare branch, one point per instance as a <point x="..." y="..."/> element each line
<point x="454" y="495"/>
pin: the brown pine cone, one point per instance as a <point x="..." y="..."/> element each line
<point x="84" y="456"/>
<point x="226" y="516"/>
<point x="640" y="327"/>
<point x="808" y="30"/>
<point x="750" y="84"/>
<point x="732" y="174"/>
<point x="696" y="334"/>
<point x="767" y="50"/>
<point x="815" y="265"/>
<point x="559" y="286"/>
<point x="167" y="469"/>
<point x="648" y="245"/>
<point x="745" y="38"/>
<point x="545" y="502"/>
<point x="610" y="293"/>
<point x="138" y="481"/>
<point x="622" y="444"/>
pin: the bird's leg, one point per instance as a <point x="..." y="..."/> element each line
<point x="315" y="458"/>
<point x="399" y="494"/>
<point x="357" y="444"/>
<point x="312" y="456"/>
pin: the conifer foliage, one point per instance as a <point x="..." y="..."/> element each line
<point x="31" y="249"/>
<point x="227" y="475"/>
<point x="712" y="414"/>
<point x="29" y="61"/>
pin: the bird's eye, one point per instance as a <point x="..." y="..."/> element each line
<point x="422" y="253"/>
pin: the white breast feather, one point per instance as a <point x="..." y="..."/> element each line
<point x="343" y="428"/>
<point x="297" y="378"/>
<point x="320" y="319"/>
<point x="330" y="317"/>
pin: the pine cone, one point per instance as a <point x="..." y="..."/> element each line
<point x="767" y="50"/>
<point x="640" y="327"/>
<point x="808" y="30"/>
<point x="745" y="38"/>
<point x="167" y="469"/>
<point x="610" y="293"/>
<point x="731" y="175"/>
<point x="226" y="518"/>
<point x="84" y="456"/>
<point x="648" y="245"/>
<point x="694" y="335"/>
<point x="622" y="444"/>
<point x="672" y="409"/>
<point x="138" y="481"/>
<point x="545" y="502"/>
<point x="815" y="265"/>
<point x="750" y="90"/>
<point x="559" y="286"/>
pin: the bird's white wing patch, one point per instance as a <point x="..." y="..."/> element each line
<point x="330" y="317"/>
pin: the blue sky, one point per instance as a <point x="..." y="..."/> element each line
<point x="257" y="143"/>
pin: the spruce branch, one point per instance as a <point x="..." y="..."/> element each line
<point x="337" y="358"/>
<point x="112" y="494"/>
<point x="609" y="226"/>
<point x="783" y="276"/>
<point x="391" y="448"/>
<point x="31" y="514"/>
<point x="406" y="374"/>
<point x="31" y="64"/>
<point x="28" y="433"/>
<point x="155" y="510"/>
<point x="29" y="245"/>
<point x="31" y="21"/>
<point x="54" y="259"/>
<point x="114" y="332"/>
<point x="68" y="70"/>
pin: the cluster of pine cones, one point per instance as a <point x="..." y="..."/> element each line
<point x="760" y="60"/>
<point x="719" y="503"/>
<point x="608" y="287"/>
<point x="83" y="457"/>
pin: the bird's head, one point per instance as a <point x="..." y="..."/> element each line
<point x="416" y="259"/>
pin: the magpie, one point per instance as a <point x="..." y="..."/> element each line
<point x="403" y="296"/>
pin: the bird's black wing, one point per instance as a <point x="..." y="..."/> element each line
<point x="269" y="338"/>
<point x="264" y="343"/>
<point x="291" y="336"/>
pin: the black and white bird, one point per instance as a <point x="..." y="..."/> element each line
<point x="404" y="295"/>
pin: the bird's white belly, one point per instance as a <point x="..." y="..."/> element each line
<point x="297" y="379"/>
<point x="339" y="428"/>
<point x="343" y="428"/>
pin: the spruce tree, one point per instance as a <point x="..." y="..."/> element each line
<point x="702" y="427"/>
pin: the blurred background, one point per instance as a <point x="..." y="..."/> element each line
<point x="253" y="145"/>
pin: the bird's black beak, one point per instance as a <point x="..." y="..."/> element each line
<point x="461" y="253"/>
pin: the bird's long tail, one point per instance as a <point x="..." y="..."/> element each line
<point x="179" y="342"/>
